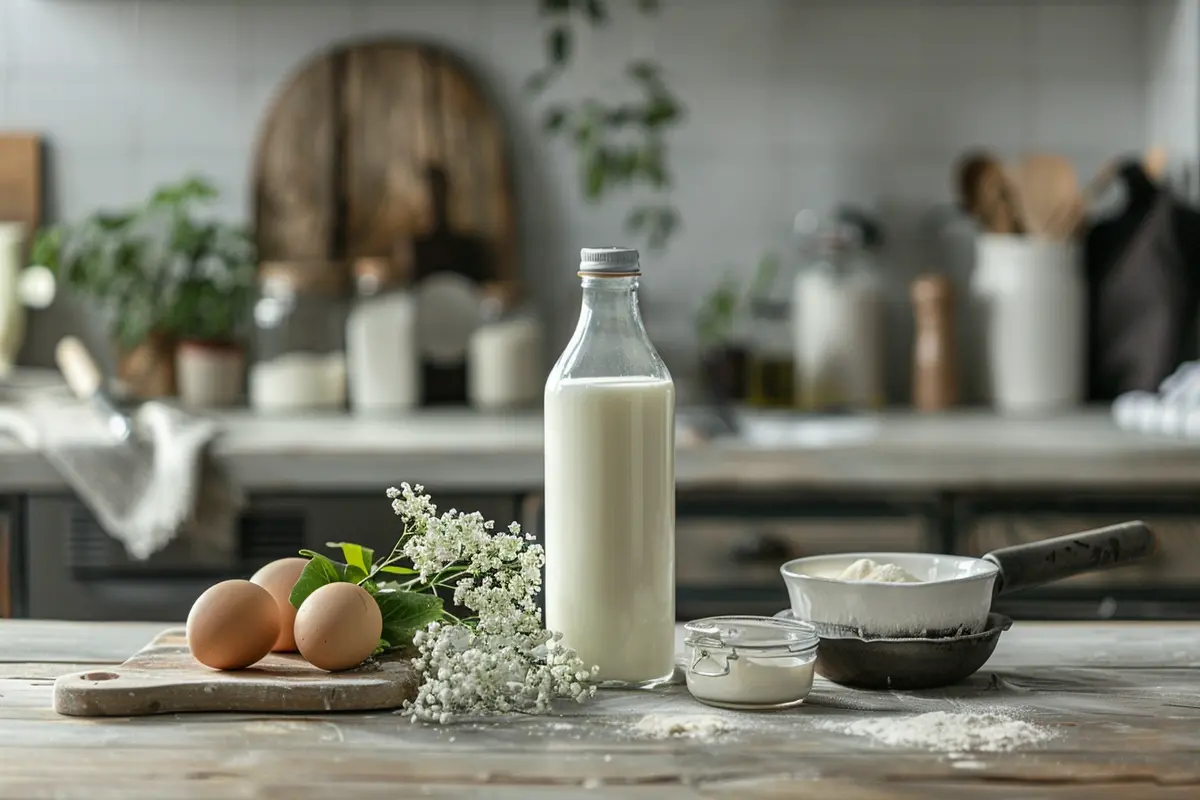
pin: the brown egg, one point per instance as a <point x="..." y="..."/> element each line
<point x="278" y="578"/>
<point x="338" y="626"/>
<point x="232" y="625"/>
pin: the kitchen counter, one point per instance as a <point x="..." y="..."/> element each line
<point x="450" y="450"/>
<point x="1120" y="698"/>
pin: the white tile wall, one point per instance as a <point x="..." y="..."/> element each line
<point x="793" y="103"/>
<point x="1173" y="102"/>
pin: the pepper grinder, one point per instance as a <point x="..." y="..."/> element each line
<point x="935" y="385"/>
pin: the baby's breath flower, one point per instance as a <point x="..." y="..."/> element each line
<point x="507" y="662"/>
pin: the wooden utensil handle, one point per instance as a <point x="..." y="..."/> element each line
<point x="1024" y="566"/>
<point x="78" y="367"/>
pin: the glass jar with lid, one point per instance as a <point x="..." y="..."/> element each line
<point x="300" y="323"/>
<point x="750" y="663"/>
<point x="838" y="313"/>
<point x="769" y="367"/>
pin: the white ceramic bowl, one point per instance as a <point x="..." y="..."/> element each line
<point x="953" y="597"/>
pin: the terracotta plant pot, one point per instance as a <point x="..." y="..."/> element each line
<point x="211" y="374"/>
<point x="148" y="370"/>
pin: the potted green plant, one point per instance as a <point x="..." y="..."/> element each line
<point x="210" y="309"/>
<point x="722" y="356"/>
<point x="161" y="273"/>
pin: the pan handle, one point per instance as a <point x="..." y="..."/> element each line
<point x="1024" y="566"/>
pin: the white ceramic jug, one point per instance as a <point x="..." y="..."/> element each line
<point x="1029" y="296"/>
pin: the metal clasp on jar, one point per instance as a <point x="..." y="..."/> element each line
<point x="702" y="654"/>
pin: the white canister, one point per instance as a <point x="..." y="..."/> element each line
<point x="504" y="364"/>
<point x="382" y="364"/>
<point x="12" y="311"/>
<point x="1029" y="297"/>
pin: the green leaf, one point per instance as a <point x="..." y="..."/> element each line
<point x="596" y="11"/>
<point x="661" y="111"/>
<point x="395" y="570"/>
<point x="636" y="220"/>
<point x="554" y="119"/>
<point x="319" y="571"/>
<point x="405" y="612"/>
<point x="663" y="224"/>
<point x="538" y="81"/>
<point x="595" y="174"/>
<point x="355" y="574"/>
<point x="356" y="555"/>
<point x="644" y="71"/>
<point x="621" y="116"/>
<point x="558" y="45"/>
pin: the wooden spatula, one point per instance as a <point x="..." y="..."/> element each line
<point x="984" y="192"/>
<point x="1048" y="191"/>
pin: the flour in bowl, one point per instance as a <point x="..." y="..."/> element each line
<point x="865" y="569"/>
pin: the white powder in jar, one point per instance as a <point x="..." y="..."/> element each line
<point x="751" y="682"/>
<point x="865" y="569"/>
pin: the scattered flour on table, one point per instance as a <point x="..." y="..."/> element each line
<point x="682" y="726"/>
<point x="864" y="569"/>
<point x="941" y="731"/>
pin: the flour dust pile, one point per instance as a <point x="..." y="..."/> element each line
<point x="941" y="731"/>
<point x="681" y="726"/>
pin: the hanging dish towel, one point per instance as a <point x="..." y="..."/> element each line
<point x="145" y="491"/>
<point x="1143" y="269"/>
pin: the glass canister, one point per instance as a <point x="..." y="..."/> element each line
<point x="383" y="367"/>
<point x="610" y="483"/>
<point x="770" y="362"/>
<point x="750" y="663"/>
<point x="838" y="313"/>
<point x="300" y="324"/>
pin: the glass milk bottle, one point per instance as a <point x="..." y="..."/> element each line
<point x="610" y="483"/>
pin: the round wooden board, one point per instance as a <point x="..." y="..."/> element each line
<point x="340" y="169"/>
<point x="163" y="678"/>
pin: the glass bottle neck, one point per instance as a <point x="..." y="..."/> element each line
<point x="612" y="303"/>
<point x="610" y="340"/>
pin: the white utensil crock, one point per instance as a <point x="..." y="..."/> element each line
<point x="1029" y="297"/>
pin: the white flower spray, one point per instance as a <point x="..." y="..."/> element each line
<point x="501" y="660"/>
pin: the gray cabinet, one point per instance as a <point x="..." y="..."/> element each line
<point x="1166" y="586"/>
<point x="73" y="570"/>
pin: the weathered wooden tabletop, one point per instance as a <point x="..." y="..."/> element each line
<point x="1124" y="700"/>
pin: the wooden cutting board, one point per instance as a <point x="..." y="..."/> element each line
<point x="343" y="163"/>
<point x="21" y="181"/>
<point x="163" y="678"/>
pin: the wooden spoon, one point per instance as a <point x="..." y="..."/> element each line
<point x="985" y="193"/>
<point x="1048" y="190"/>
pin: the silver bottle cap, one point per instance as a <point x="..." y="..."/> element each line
<point x="623" y="260"/>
